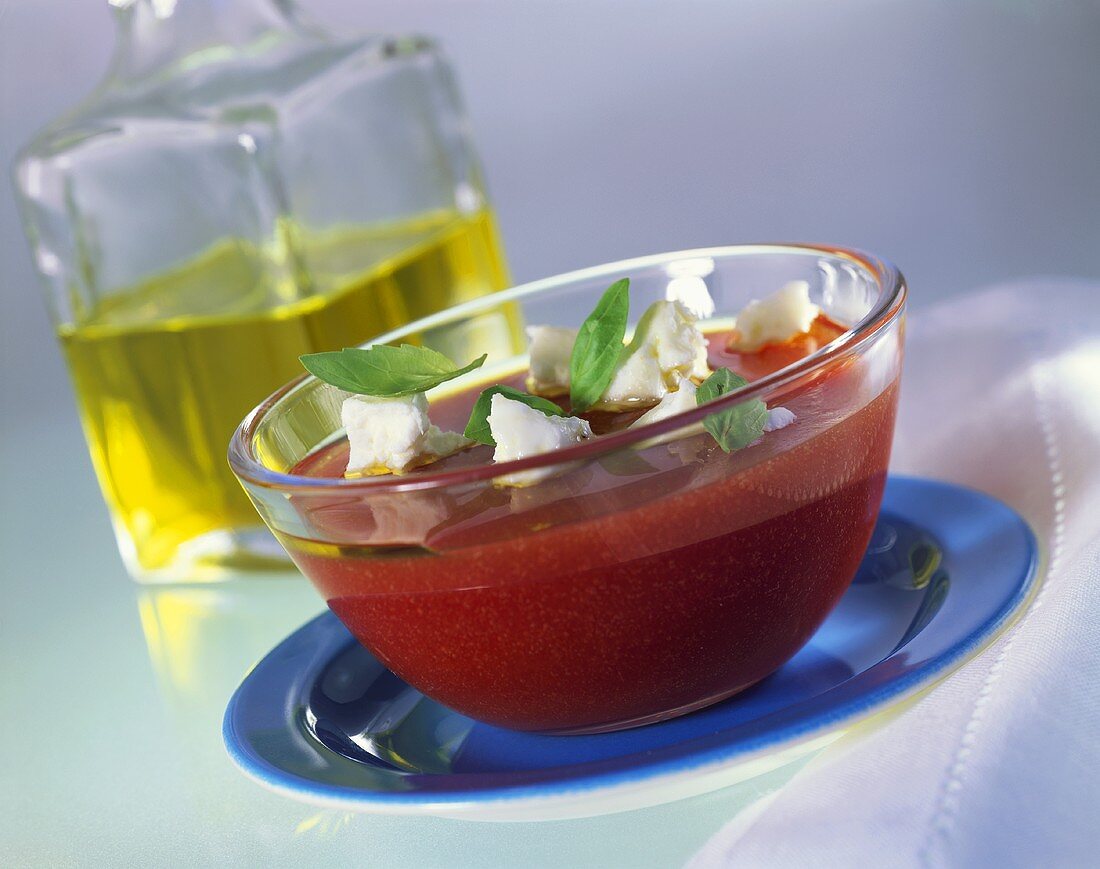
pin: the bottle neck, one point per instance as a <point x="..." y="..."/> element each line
<point x="158" y="36"/>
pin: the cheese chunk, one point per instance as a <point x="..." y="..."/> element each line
<point x="550" y="350"/>
<point x="778" y="417"/>
<point x="783" y="315"/>
<point x="393" y="435"/>
<point x="683" y="399"/>
<point x="666" y="348"/>
<point x="521" y="431"/>
<point x="638" y="379"/>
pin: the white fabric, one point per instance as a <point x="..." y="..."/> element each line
<point x="1000" y="764"/>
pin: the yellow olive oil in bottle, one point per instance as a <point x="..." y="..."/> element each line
<point x="241" y="190"/>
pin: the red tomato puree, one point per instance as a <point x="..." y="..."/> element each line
<point x="627" y="590"/>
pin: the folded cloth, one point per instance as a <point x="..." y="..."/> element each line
<point x="1000" y="764"/>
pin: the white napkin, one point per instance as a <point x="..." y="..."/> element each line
<point x="999" y="765"/>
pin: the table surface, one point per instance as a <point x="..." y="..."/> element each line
<point x="113" y="695"/>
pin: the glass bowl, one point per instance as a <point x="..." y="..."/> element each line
<point x="651" y="573"/>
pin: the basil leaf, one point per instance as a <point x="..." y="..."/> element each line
<point x="383" y="371"/>
<point x="598" y="347"/>
<point x="641" y="331"/>
<point x="741" y="424"/>
<point x="477" y="429"/>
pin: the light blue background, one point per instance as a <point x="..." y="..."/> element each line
<point x="960" y="139"/>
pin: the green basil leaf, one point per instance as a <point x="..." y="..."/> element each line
<point x="741" y="424"/>
<point x="641" y="331"/>
<point x="383" y="371"/>
<point x="477" y="429"/>
<point x="598" y="347"/>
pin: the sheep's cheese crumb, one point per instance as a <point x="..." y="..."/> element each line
<point x="521" y="431"/>
<point x="393" y="435"/>
<point x="666" y="349"/>
<point x="783" y="315"/>
<point x="778" y="417"/>
<point x="550" y="350"/>
<point x="680" y="401"/>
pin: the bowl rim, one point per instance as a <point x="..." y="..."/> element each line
<point x="888" y="308"/>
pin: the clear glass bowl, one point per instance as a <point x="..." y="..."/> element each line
<point x="652" y="574"/>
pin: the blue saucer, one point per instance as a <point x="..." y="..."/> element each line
<point x="319" y="719"/>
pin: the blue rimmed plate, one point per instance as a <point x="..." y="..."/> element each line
<point x="319" y="719"/>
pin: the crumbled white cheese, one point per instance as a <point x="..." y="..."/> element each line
<point x="783" y="315"/>
<point x="638" y="379"/>
<point x="550" y="349"/>
<point x="666" y="348"/>
<point x="392" y="435"/>
<point x="683" y="399"/>
<point x="778" y="417"/>
<point x="521" y="431"/>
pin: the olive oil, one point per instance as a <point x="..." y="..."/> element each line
<point x="162" y="382"/>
